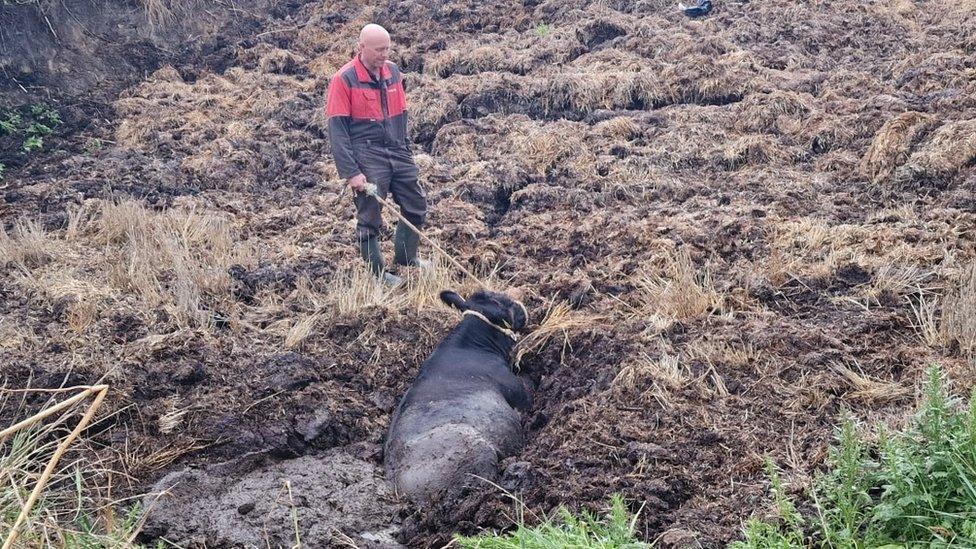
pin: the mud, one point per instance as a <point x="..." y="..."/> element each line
<point x="331" y="498"/>
<point x="740" y="213"/>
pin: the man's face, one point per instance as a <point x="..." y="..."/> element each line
<point x="375" y="51"/>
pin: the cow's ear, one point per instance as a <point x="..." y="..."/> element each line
<point x="520" y="316"/>
<point x="454" y="299"/>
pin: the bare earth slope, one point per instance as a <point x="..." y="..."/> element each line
<point x="731" y="229"/>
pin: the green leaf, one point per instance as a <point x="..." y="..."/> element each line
<point x="33" y="143"/>
<point x="10" y="124"/>
<point x="38" y="129"/>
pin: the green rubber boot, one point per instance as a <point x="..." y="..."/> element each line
<point x="369" y="250"/>
<point x="405" y="244"/>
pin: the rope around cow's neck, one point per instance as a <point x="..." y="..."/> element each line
<point x="510" y="333"/>
<point x="371" y="190"/>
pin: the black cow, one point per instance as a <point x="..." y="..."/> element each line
<point x="461" y="415"/>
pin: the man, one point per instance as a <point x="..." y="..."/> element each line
<point x="367" y="110"/>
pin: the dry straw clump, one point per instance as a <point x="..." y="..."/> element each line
<point x="775" y="112"/>
<point x="809" y="247"/>
<point x="424" y="287"/>
<point x="559" y="322"/>
<point x="949" y="149"/>
<point x="28" y="246"/>
<point x="60" y="285"/>
<point x="733" y="354"/>
<point x="958" y="324"/>
<point x="897" y="280"/>
<point x="430" y="109"/>
<point x="301" y="330"/>
<point x="951" y="322"/>
<point x="926" y="73"/>
<point x="545" y="148"/>
<point x="652" y="378"/>
<point x="893" y="142"/>
<point x="177" y="259"/>
<point x="226" y="130"/>
<point x="353" y="290"/>
<point x="483" y="58"/>
<point x="608" y="79"/>
<point x="822" y="133"/>
<point x="864" y="387"/>
<point x="680" y="292"/>
<point x="586" y="91"/>
<point x="754" y="150"/>
<point x="14" y="335"/>
<point x="703" y="79"/>
<point x="618" y="128"/>
<point x="164" y="12"/>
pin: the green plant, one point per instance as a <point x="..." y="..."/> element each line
<point x="614" y="531"/>
<point x="842" y="492"/>
<point x="40" y="121"/>
<point x="36" y="128"/>
<point x="93" y="145"/>
<point x="11" y="123"/>
<point x="914" y="487"/>
<point x="786" y="533"/>
<point x="543" y="29"/>
<point x="929" y="473"/>
<point x="89" y="532"/>
<point x="33" y="143"/>
<point x="43" y="112"/>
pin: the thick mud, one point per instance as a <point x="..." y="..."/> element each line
<point x="729" y="229"/>
<point x="332" y="498"/>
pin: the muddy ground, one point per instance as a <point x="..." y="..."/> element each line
<point x="731" y="229"/>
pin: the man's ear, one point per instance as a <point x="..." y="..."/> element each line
<point x="454" y="299"/>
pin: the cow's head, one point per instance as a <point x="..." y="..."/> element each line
<point x="500" y="309"/>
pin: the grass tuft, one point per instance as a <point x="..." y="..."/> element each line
<point x="615" y="530"/>
<point x="74" y="510"/>
<point x="559" y="322"/>
<point x="682" y="292"/>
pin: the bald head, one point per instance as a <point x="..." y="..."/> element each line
<point x="374" y="46"/>
<point x="372" y="33"/>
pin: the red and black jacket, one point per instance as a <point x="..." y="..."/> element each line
<point x="365" y="111"/>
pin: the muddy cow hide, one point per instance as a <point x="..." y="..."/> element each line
<point x="462" y="413"/>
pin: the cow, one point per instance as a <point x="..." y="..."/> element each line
<point x="462" y="414"/>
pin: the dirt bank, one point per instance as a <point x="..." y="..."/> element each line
<point x="78" y="50"/>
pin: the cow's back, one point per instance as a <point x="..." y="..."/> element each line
<point x="437" y="445"/>
<point x="440" y="436"/>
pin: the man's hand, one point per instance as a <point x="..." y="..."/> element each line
<point x="357" y="182"/>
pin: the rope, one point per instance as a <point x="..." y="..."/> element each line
<point x="371" y="190"/>
<point x="511" y="334"/>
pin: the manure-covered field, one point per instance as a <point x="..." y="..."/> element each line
<point x="728" y="230"/>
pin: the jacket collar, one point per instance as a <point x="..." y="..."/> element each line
<point x="363" y="73"/>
